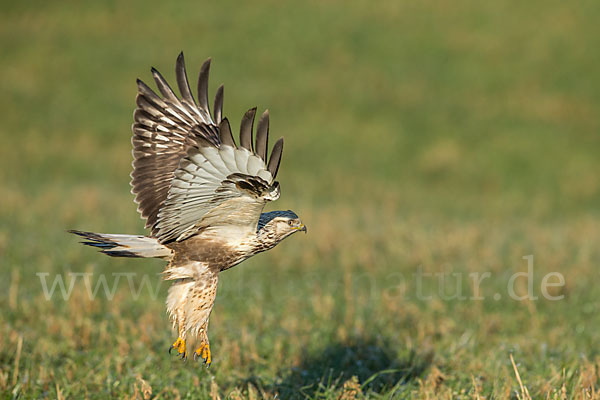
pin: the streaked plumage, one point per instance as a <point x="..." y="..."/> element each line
<point x="202" y="197"/>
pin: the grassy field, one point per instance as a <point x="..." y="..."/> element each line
<point x="430" y="147"/>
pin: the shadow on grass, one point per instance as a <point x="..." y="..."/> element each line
<point x="377" y="365"/>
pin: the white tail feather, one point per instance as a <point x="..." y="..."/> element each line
<point x="118" y="245"/>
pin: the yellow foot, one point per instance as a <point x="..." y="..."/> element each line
<point x="204" y="353"/>
<point x="181" y="348"/>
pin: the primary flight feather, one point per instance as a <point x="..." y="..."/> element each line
<point x="202" y="197"/>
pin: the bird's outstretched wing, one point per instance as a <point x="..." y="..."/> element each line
<point x="164" y="129"/>
<point x="188" y="172"/>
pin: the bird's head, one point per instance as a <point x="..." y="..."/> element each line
<point x="275" y="226"/>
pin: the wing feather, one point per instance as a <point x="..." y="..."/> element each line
<point x="225" y="133"/>
<point x="275" y="159"/>
<point x="203" y="89"/>
<point x="241" y="160"/>
<point x="246" y="129"/>
<point x="213" y="156"/>
<point x="207" y="190"/>
<point x="254" y="165"/>
<point x="163" y="86"/>
<point x="182" y="81"/>
<point x="219" y="105"/>
<point x="262" y="135"/>
<point x="164" y="129"/>
<point x="228" y="156"/>
<point x="188" y="173"/>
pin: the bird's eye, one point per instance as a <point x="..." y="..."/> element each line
<point x="290" y="222"/>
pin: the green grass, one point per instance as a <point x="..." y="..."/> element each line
<point x="425" y="141"/>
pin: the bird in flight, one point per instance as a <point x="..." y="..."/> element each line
<point x="202" y="196"/>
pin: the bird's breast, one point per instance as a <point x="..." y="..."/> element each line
<point x="218" y="254"/>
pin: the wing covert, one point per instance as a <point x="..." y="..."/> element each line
<point x="215" y="187"/>
<point x="189" y="174"/>
<point x="164" y="129"/>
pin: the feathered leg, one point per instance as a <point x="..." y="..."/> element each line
<point x="201" y="298"/>
<point x="176" y="309"/>
<point x="203" y="350"/>
<point x="189" y="304"/>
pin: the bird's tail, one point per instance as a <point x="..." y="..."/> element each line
<point x="125" y="245"/>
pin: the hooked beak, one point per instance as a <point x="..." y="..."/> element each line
<point x="302" y="228"/>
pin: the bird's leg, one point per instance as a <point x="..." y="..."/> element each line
<point x="203" y="350"/>
<point x="180" y="344"/>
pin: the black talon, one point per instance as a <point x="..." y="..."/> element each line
<point x="171" y="348"/>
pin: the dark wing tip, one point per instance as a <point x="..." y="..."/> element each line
<point x="163" y="86"/>
<point x="203" y="85"/>
<point x="205" y="70"/>
<point x="182" y="81"/>
<point x="219" y="104"/>
<point x="140" y="83"/>
<point x="201" y="141"/>
<point x="262" y="135"/>
<point x="275" y="159"/>
<point x="246" y="129"/>
<point x="225" y="133"/>
<point x="154" y="71"/>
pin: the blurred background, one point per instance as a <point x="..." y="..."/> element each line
<point x="424" y="139"/>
